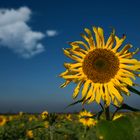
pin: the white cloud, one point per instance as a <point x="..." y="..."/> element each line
<point x="16" y="35"/>
<point x="51" y="33"/>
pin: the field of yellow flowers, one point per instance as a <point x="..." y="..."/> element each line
<point x="103" y="73"/>
<point x="78" y="126"/>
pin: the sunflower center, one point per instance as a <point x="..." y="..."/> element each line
<point x="100" y="65"/>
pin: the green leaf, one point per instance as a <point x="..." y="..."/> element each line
<point x="135" y="119"/>
<point x="130" y="88"/>
<point x="119" y="129"/>
<point x="64" y="131"/>
<point x="76" y="102"/>
<point x="124" y="106"/>
<point x="98" y="114"/>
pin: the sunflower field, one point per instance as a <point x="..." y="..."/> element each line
<point x="103" y="72"/>
<point x="78" y="126"/>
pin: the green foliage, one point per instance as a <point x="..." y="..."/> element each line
<point x="119" y="129"/>
<point x="76" y="102"/>
<point x="126" y="127"/>
<point x="130" y="88"/>
<point x="126" y="107"/>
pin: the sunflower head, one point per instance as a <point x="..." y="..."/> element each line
<point x="44" y="115"/>
<point x="32" y="117"/>
<point x="101" y="69"/>
<point x="2" y="120"/>
<point x="86" y="119"/>
<point x="30" y="134"/>
<point x="46" y="124"/>
<point x="69" y="117"/>
<point x="21" y="113"/>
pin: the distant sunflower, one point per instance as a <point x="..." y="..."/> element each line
<point x="30" y="134"/>
<point x="86" y="119"/>
<point x="100" y="70"/>
<point x="2" y="120"/>
<point x="44" y="115"/>
<point x="69" y="117"/>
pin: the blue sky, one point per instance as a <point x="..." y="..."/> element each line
<point x="32" y="35"/>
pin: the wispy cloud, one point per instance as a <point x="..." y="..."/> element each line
<point x="17" y="35"/>
<point x="51" y="33"/>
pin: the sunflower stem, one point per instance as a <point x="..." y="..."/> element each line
<point x="85" y="131"/>
<point x="107" y="113"/>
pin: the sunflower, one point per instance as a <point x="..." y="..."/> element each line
<point x="69" y="117"/>
<point x="21" y="113"/>
<point x="46" y="124"/>
<point x="86" y="119"/>
<point x="44" y="115"/>
<point x="29" y="134"/>
<point x="101" y="69"/>
<point x="2" y="120"/>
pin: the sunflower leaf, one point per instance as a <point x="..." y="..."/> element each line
<point x="98" y="115"/>
<point x="76" y="102"/>
<point x="124" y="106"/>
<point x="130" y="88"/>
<point x="120" y="129"/>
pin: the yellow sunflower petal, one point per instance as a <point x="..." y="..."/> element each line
<point x="123" y="71"/>
<point x="125" y="48"/>
<point x="72" y="65"/>
<point x="77" y="89"/>
<point x="115" y="92"/>
<point x="129" y="61"/>
<point x="126" y="71"/>
<point x="67" y="65"/>
<point x="64" y="73"/>
<point x="85" y="88"/>
<point x="68" y="54"/>
<point x="80" y="54"/>
<point x="115" y="102"/>
<point x="98" y="43"/>
<point x="125" y="90"/>
<point x="110" y="41"/>
<point x="128" y="81"/>
<point x="80" y="43"/>
<point x="127" y="55"/>
<point x="77" y="70"/>
<point x="76" y="47"/>
<point x="71" y="76"/>
<point x="91" y="40"/>
<point x="90" y="92"/>
<point x="101" y="34"/>
<point x="102" y="92"/>
<point x="118" y="42"/>
<point x="121" y="86"/>
<point x="133" y="68"/>
<point x="73" y="46"/>
<point x="98" y="94"/>
<point x="128" y="75"/>
<point x="116" y="82"/>
<point x="65" y="84"/>
<point x="96" y="86"/>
